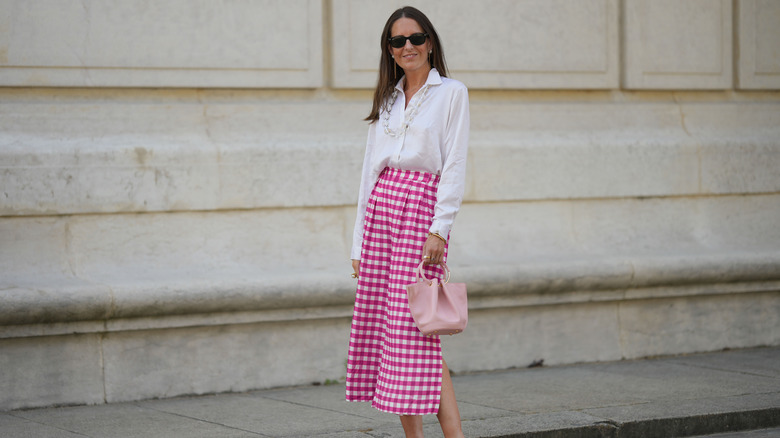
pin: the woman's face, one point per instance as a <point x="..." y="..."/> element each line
<point x="409" y="57"/>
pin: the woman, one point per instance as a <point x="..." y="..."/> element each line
<point x="411" y="189"/>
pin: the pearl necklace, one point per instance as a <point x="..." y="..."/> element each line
<point x="418" y="99"/>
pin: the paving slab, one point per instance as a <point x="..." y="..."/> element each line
<point x="12" y="426"/>
<point x="128" y="421"/>
<point x="545" y="390"/>
<point x="263" y="415"/>
<point x="329" y="398"/>
<point x="761" y="361"/>
<point x="537" y="425"/>
<point x="760" y="433"/>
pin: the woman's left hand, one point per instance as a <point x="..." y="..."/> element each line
<point x="434" y="247"/>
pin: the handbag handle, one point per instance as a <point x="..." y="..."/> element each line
<point x="421" y="272"/>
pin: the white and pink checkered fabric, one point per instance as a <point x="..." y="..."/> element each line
<point x="391" y="363"/>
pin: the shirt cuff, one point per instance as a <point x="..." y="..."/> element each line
<point x="440" y="229"/>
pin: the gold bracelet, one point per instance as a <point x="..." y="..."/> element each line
<point x="438" y="235"/>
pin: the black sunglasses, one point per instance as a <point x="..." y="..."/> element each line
<point x="400" y="41"/>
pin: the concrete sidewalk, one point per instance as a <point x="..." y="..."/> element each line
<point x="690" y="395"/>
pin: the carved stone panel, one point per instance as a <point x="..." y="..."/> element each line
<point x="678" y="44"/>
<point x="759" y="44"/>
<point x="504" y="44"/>
<point x="161" y="43"/>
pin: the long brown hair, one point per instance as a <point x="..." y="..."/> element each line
<point x="389" y="71"/>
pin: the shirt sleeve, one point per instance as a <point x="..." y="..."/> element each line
<point x="367" y="181"/>
<point x="453" y="175"/>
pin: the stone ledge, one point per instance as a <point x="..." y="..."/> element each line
<point x="176" y="177"/>
<point x="49" y="307"/>
<point x="147" y="157"/>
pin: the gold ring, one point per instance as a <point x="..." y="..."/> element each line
<point x="354" y="275"/>
<point x="426" y="257"/>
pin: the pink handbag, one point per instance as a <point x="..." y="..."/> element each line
<point x="438" y="308"/>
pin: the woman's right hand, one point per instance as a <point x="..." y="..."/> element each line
<point x="356" y="267"/>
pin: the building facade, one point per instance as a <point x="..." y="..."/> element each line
<point x="179" y="180"/>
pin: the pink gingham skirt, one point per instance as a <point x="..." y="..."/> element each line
<point x="390" y="363"/>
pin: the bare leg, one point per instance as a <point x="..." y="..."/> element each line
<point x="412" y="425"/>
<point x="449" y="415"/>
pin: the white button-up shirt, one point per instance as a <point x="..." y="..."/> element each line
<point x="435" y="142"/>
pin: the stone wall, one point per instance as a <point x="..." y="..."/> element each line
<point x="179" y="178"/>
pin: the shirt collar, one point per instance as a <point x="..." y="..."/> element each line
<point x="434" y="78"/>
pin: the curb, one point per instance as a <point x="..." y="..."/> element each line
<point x="660" y="427"/>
